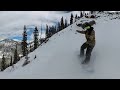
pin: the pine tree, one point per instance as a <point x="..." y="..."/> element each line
<point x="15" y="56"/>
<point x="85" y="15"/>
<point x="41" y="41"/>
<point x="26" y="59"/>
<point x="59" y="27"/>
<point x="30" y="48"/>
<point x="18" y="57"/>
<point x="55" y="29"/>
<point x="76" y="18"/>
<point x="91" y="12"/>
<point x="62" y="23"/>
<point x="36" y="34"/>
<point x="24" y="42"/>
<point x="66" y="23"/>
<point x="41" y="30"/>
<point x="47" y="32"/>
<point x="11" y="63"/>
<point x="81" y="15"/>
<point x="50" y="31"/>
<point x="3" y="64"/>
<point x="71" y="19"/>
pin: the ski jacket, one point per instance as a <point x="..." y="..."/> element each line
<point x="90" y="38"/>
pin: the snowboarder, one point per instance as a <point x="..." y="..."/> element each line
<point x="89" y="44"/>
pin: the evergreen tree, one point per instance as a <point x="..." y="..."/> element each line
<point x="71" y="19"/>
<point x="91" y="12"/>
<point x="24" y="42"/>
<point x="66" y="23"/>
<point x="3" y="64"/>
<point x="30" y="48"/>
<point x="47" y="32"/>
<point x="85" y="15"/>
<point x="76" y="17"/>
<point x="36" y="34"/>
<point x="15" y="56"/>
<point x="11" y="63"/>
<point x="18" y="57"/>
<point x="55" y="29"/>
<point x="81" y="15"/>
<point x="50" y="31"/>
<point x="41" y="41"/>
<point x="62" y="23"/>
<point x="59" y="27"/>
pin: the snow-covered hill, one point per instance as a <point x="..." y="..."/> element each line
<point x="59" y="57"/>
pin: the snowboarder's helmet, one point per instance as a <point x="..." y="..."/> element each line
<point x="87" y="24"/>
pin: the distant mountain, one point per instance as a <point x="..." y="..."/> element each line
<point x="8" y="46"/>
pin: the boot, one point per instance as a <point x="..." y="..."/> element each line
<point x="81" y="53"/>
<point x="86" y="61"/>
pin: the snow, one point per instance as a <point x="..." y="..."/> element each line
<point x="59" y="57"/>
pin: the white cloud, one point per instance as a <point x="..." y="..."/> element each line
<point x="12" y="22"/>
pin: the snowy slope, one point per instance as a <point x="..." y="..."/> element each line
<point x="59" y="57"/>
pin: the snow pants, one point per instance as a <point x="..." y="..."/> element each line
<point x="88" y="51"/>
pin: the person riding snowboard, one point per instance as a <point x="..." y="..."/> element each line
<point x="89" y="44"/>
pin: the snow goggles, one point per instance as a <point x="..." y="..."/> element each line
<point x="88" y="27"/>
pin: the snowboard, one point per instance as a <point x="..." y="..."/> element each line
<point x="89" y="66"/>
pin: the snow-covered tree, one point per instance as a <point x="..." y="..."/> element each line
<point x="62" y="23"/>
<point x="3" y="64"/>
<point x="24" y="42"/>
<point x="71" y="19"/>
<point x="36" y="41"/>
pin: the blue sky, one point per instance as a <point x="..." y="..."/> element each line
<point x="30" y="31"/>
